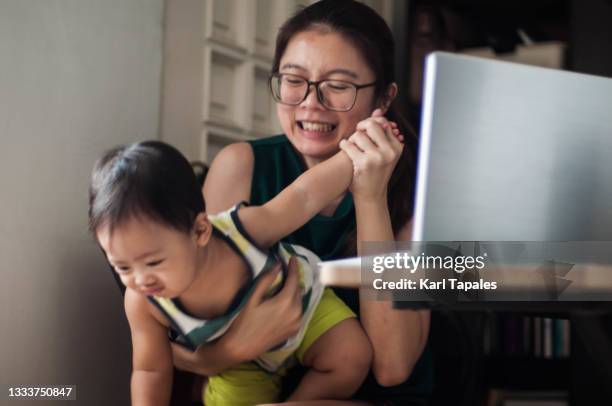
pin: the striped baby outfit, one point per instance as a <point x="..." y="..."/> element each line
<point x="192" y="332"/>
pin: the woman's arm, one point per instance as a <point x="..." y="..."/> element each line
<point x="391" y="331"/>
<point x="206" y="360"/>
<point x="375" y="153"/>
<point x="229" y="178"/>
<point x="405" y="234"/>
<point x="151" y="382"/>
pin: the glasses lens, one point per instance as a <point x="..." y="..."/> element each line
<point x="338" y="95"/>
<point x="289" y="89"/>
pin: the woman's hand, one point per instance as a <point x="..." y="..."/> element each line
<point x="267" y="322"/>
<point x="374" y="148"/>
<point x="262" y="324"/>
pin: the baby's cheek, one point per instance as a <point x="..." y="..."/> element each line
<point x="126" y="282"/>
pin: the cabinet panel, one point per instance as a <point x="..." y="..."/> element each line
<point x="262" y="102"/>
<point x="224" y="86"/>
<point x="214" y="138"/>
<point x="265" y="22"/>
<point x="227" y="22"/>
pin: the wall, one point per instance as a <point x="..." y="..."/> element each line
<point x="76" y="77"/>
<point x="181" y="111"/>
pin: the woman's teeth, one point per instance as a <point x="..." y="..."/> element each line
<point x="319" y="127"/>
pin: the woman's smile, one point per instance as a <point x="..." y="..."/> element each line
<point x="314" y="129"/>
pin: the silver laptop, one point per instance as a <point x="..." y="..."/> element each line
<point x="511" y="152"/>
<point x="508" y="152"/>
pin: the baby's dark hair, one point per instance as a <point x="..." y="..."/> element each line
<point x="151" y="180"/>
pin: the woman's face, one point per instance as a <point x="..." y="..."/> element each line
<point x="317" y="55"/>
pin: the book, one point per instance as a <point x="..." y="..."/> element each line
<point x="547" y="338"/>
<point x="537" y="336"/>
<point x="501" y="397"/>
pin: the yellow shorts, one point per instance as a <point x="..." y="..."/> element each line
<point x="248" y="384"/>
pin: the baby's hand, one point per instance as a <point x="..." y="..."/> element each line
<point x="378" y="116"/>
<point x="374" y="149"/>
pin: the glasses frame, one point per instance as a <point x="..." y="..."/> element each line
<point x="317" y="85"/>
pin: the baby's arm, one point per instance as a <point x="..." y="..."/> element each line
<point x="298" y="202"/>
<point x="152" y="359"/>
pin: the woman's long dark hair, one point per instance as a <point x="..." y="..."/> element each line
<point x="371" y="35"/>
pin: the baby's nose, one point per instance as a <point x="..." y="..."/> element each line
<point x="144" y="278"/>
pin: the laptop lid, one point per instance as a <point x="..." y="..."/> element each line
<point x="511" y="152"/>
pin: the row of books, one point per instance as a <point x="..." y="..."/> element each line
<point x="527" y="336"/>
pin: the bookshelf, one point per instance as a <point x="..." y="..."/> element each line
<point x="482" y="358"/>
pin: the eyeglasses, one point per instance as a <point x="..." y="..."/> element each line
<point x="335" y="95"/>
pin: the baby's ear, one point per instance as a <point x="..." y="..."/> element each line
<point x="202" y="228"/>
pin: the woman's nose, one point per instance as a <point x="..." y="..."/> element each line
<point x="312" y="99"/>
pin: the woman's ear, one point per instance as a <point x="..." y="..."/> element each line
<point x="202" y="228"/>
<point x="388" y="97"/>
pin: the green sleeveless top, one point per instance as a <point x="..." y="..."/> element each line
<point x="276" y="165"/>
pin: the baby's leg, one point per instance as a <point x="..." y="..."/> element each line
<point x="338" y="363"/>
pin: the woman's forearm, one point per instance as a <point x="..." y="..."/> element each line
<point x="398" y="338"/>
<point x="373" y="220"/>
<point x="391" y="331"/>
<point x="207" y="360"/>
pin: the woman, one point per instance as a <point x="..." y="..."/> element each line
<point x="328" y="50"/>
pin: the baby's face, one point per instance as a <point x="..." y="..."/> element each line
<point x="151" y="258"/>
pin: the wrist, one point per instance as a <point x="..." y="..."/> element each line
<point x="214" y="358"/>
<point x="231" y="353"/>
<point x="370" y="202"/>
<point x="373" y="221"/>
